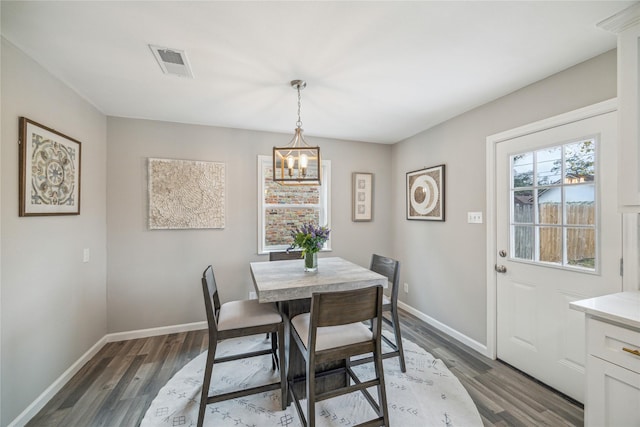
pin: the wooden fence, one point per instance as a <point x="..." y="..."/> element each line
<point x="580" y="241"/>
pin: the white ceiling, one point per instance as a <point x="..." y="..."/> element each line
<point x="376" y="71"/>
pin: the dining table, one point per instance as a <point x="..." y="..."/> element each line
<point x="291" y="287"/>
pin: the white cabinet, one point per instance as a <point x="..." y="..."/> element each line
<point x="612" y="398"/>
<point x="626" y="25"/>
<point x="613" y="375"/>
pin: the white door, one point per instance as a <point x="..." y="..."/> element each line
<point x="558" y="240"/>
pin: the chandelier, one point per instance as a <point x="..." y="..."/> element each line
<point x="298" y="163"/>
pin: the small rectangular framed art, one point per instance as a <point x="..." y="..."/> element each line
<point x="362" y="205"/>
<point x="425" y="194"/>
<point x="49" y="168"/>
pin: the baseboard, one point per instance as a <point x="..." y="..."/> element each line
<point x="152" y="332"/>
<point x="57" y="385"/>
<point x="458" y="336"/>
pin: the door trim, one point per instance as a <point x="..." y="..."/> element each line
<point x="492" y="140"/>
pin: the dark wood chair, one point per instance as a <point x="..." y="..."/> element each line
<point x="284" y="255"/>
<point x="333" y="331"/>
<point x="391" y="269"/>
<point x="239" y="319"/>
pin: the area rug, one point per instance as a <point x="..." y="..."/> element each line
<point x="428" y="394"/>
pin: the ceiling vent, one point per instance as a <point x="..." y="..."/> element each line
<point x="172" y="61"/>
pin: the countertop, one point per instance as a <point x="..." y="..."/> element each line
<point x="622" y="308"/>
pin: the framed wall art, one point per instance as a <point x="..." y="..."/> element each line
<point x="362" y="194"/>
<point x="185" y="194"/>
<point x="425" y="194"/>
<point x="49" y="169"/>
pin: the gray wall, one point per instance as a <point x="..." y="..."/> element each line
<point x="53" y="305"/>
<point x="153" y="275"/>
<point x="444" y="263"/>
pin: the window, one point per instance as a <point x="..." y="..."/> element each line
<point x="553" y="206"/>
<point x="283" y="208"/>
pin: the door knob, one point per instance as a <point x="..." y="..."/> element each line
<point x="500" y="268"/>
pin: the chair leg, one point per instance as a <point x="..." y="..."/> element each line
<point x="396" y="331"/>
<point x="283" y="371"/>
<point x="204" y="394"/>
<point x="382" y="395"/>
<point x="274" y="351"/>
<point x="311" y="392"/>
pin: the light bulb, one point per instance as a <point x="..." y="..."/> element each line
<point x="304" y="160"/>
<point x="290" y="162"/>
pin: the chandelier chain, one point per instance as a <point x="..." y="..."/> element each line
<point x="299" y="122"/>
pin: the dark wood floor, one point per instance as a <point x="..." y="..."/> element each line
<point x="116" y="387"/>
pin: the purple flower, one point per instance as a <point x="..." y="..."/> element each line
<point x="309" y="237"/>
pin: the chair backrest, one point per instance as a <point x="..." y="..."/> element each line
<point x="344" y="307"/>
<point x="284" y="255"/>
<point x="391" y="269"/>
<point x="211" y="299"/>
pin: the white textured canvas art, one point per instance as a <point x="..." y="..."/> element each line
<point x="186" y="194"/>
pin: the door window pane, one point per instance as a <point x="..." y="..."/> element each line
<point x="579" y="159"/>
<point x="522" y="175"/>
<point x="580" y="204"/>
<point x="550" y="244"/>
<point x="549" y="166"/>
<point x="581" y="247"/>
<point x="550" y="205"/>
<point x="522" y="202"/>
<point x="524" y="239"/>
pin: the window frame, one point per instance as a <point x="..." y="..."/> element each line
<point x="324" y="206"/>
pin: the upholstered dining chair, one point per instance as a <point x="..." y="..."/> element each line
<point x="333" y="331"/>
<point x="239" y="319"/>
<point x="391" y="269"/>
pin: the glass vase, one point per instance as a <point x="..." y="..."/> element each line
<point x="311" y="262"/>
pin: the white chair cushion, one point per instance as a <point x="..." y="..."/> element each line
<point x="331" y="336"/>
<point x="246" y="313"/>
<point x="385" y="300"/>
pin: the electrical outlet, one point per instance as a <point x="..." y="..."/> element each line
<point x="252" y="295"/>
<point x="406" y="288"/>
<point x="474" y="217"/>
<point x="86" y="255"/>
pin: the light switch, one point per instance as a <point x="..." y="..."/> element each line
<point x="474" y="217"/>
<point x="86" y="255"/>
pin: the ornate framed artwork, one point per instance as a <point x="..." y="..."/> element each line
<point x="49" y="168"/>
<point x="425" y="194"/>
<point x="186" y="194"/>
<point x="362" y="195"/>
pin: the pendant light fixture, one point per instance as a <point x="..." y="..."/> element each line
<point x="298" y="163"/>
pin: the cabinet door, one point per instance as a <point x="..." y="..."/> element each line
<point x="613" y="395"/>
<point x="628" y="173"/>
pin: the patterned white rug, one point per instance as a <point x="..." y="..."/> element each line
<point x="428" y="394"/>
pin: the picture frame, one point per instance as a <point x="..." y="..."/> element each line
<point x="49" y="169"/>
<point x="426" y="194"/>
<point x="362" y="197"/>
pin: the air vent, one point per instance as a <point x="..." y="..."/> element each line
<point x="172" y="61"/>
